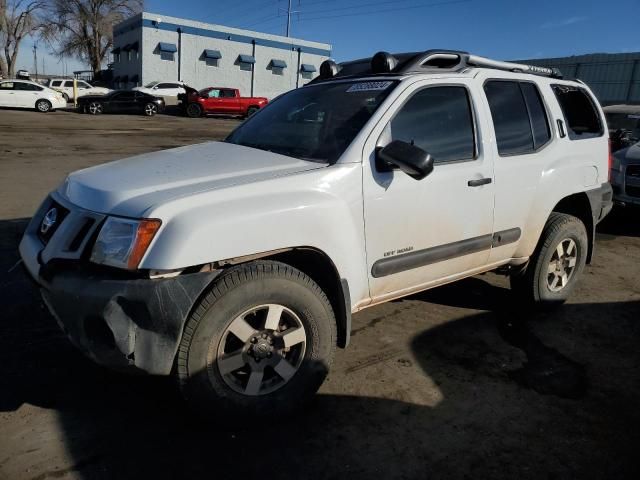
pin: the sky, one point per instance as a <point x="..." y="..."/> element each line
<point x="501" y="29"/>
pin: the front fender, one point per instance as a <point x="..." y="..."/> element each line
<point x="320" y="208"/>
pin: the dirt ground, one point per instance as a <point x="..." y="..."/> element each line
<point x="453" y="383"/>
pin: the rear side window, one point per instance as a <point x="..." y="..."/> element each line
<point x="519" y="117"/>
<point x="438" y="120"/>
<point x="68" y="84"/>
<point x="580" y="113"/>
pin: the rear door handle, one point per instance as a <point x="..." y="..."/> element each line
<point x="479" y="182"/>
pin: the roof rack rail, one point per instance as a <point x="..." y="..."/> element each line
<point x="429" y="61"/>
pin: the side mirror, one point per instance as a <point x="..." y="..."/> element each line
<point x="412" y="160"/>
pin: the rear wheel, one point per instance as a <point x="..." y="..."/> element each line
<point x="150" y="109"/>
<point x="43" y="106"/>
<point x="194" y="110"/>
<point x="95" y="108"/>
<point x="259" y="343"/>
<point x="556" y="265"/>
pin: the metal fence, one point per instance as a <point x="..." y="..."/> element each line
<point x="614" y="77"/>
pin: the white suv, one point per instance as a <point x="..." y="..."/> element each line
<point x="65" y="86"/>
<point x="236" y="265"/>
<point x="163" y="89"/>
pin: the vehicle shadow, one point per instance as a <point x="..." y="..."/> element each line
<point x="621" y="222"/>
<point x="511" y="405"/>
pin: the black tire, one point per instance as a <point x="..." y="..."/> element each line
<point x="533" y="285"/>
<point x="43" y="106"/>
<point x="194" y="110"/>
<point x="251" y="111"/>
<point x="238" y="290"/>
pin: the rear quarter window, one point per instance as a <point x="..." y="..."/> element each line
<point x="580" y="112"/>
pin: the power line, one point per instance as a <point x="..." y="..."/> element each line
<point x="373" y="12"/>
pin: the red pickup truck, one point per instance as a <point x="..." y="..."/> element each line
<point x="220" y="101"/>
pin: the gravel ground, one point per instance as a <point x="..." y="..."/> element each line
<point x="451" y="383"/>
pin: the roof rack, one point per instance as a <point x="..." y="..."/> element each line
<point x="429" y="61"/>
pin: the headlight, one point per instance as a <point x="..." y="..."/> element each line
<point x="122" y="242"/>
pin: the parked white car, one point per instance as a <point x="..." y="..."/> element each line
<point x="27" y="94"/>
<point x="162" y="89"/>
<point x="65" y="86"/>
<point x="235" y="266"/>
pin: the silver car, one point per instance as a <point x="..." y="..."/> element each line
<point x="624" y="129"/>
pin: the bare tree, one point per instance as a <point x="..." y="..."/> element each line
<point x="18" y="19"/>
<point x="84" y="28"/>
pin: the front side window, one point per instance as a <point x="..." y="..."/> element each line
<point x="56" y="83"/>
<point x="580" y="113"/>
<point x="438" y="120"/>
<point x="151" y="85"/>
<point x="314" y="123"/>
<point x="68" y="83"/>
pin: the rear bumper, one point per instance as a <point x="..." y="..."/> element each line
<point x="119" y="321"/>
<point x="601" y="200"/>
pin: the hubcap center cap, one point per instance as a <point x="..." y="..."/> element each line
<point x="261" y="347"/>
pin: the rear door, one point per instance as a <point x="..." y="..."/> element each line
<point x="230" y="102"/>
<point x="7" y="94"/>
<point x="68" y="88"/>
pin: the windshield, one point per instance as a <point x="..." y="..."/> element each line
<point x="151" y="85"/>
<point x="313" y="123"/>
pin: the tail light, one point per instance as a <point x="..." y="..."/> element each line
<point x="610" y="160"/>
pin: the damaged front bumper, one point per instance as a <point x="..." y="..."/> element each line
<point x="118" y="320"/>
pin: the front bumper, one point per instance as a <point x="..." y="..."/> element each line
<point x="119" y="320"/>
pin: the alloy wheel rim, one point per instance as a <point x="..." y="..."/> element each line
<point x="562" y="265"/>
<point x="95" y="108"/>
<point x="150" y="109"/>
<point x="43" y="107"/>
<point x="260" y="350"/>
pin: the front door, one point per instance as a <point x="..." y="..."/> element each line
<point x="26" y="94"/>
<point x="7" y="94"/>
<point x="424" y="232"/>
<point x="122" y="102"/>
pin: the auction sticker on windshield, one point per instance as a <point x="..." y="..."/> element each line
<point x="368" y="86"/>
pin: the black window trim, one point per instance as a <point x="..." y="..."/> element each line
<point x="472" y="110"/>
<point x="547" y="112"/>
<point x="570" y="135"/>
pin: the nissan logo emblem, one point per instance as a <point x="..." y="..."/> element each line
<point x="49" y="220"/>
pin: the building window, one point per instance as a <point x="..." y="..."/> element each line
<point x="307" y="71"/>
<point x="246" y="62"/>
<point x="277" y="66"/>
<point x="166" y="51"/>
<point x="211" y="57"/>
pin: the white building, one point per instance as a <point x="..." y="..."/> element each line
<point x="150" y="47"/>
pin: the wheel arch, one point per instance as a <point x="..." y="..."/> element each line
<point x="321" y="269"/>
<point x="579" y="205"/>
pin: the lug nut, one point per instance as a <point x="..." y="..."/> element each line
<point x="254" y="339"/>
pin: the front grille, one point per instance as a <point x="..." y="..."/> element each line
<point x="633" y="171"/>
<point x="633" y="191"/>
<point x="53" y="218"/>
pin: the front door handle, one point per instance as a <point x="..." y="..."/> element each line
<point x="479" y="182"/>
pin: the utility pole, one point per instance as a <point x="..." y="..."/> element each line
<point x="288" y="18"/>
<point x="35" y="58"/>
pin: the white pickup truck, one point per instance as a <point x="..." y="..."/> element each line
<point x="235" y="266"/>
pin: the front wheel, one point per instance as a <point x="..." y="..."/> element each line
<point x="150" y="109"/>
<point x="251" y="111"/>
<point x="194" y="110"/>
<point x="43" y="106"/>
<point x="95" y="108"/>
<point x="260" y="342"/>
<point x="556" y="265"/>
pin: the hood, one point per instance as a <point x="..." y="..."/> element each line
<point x="629" y="155"/>
<point x="131" y="186"/>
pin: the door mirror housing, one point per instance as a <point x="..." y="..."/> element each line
<point x="412" y="160"/>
